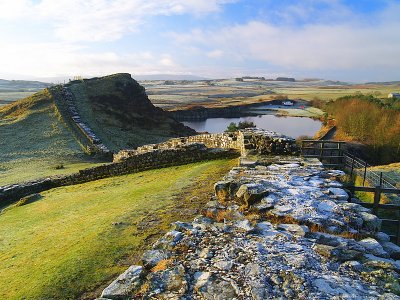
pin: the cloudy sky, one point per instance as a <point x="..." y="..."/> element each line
<point x="353" y="40"/>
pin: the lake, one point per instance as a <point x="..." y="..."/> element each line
<point x="290" y="126"/>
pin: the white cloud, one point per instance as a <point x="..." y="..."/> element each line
<point x="215" y="53"/>
<point x="54" y="59"/>
<point x="341" y="46"/>
<point x="100" y="20"/>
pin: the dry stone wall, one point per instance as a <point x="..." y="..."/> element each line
<point x="153" y="159"/>
<point x="248" y="141"/>
<point x="176" y="151"/>
<point x="277" y="231"/>
<point x="97" y="145"/>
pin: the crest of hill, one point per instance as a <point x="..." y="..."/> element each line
<point x="118" y="110"/>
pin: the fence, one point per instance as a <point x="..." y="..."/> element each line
<point x="376" y="205"/>
<point x="333" y="155"/>
<point x="356" y="166"/>
<point x="330" y="153"/>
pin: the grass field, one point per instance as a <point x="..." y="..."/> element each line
<point x="227" y="92"/>
<point x="34" y="141"/>
<point x="76" y="239"/>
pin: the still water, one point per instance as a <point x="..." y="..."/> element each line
<point x="290" y="126"/>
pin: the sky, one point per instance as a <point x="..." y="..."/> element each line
<point x="356" y="40"/>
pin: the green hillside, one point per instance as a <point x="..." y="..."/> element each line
<point x="34" y="141"/>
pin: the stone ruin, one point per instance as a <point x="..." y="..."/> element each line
<point x="251" y="141"/>
<point x="278" y="230"/>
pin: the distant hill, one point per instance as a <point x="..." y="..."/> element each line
<point x="22" y="85"/>
<point x="168" y="77"/>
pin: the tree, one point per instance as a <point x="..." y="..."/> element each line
<point x="232" y="127"/>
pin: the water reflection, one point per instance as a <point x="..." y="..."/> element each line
<point x="290" y="126"/>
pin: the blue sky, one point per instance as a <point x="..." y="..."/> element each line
<point x="331" y="39"/>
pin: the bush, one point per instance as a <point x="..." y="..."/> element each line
<point x="232" y="127"/>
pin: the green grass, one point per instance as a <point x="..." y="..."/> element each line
<point x="25" y="169"/>
<point x="75" y="240"/>
<point x="34" y="140"/>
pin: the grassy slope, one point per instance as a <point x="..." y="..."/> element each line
<point x="391" y="170"/>
<point x="66" y="243"/>
<point x="33" y="141"/>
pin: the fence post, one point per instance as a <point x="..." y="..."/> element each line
<point x="365" y="173"/>
<point x="352" y="166"/>
<point x="321" y="151"/>
<point x="381" y="179"/>
<point x="398" y="229"/>
<point x="377" y="199"/>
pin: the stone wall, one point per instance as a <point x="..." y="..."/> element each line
<point x="249" y="141"/>
<point x="219" y="140"/>
<point x="153" y="159"/>
<point x="176" y="151"/>
<point x="277" y="231"/>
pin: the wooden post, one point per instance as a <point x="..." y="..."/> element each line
<point x="365" y="173"/>
<point x="321" y="151"/>
<point x="377" y="199"/>
<point x="352" y="166"/>
<point x="380" y="179"/>
<point x="398" y="228"/>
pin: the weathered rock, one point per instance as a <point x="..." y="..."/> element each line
<point x="295" y="229"/>
<point x="392" y="249"/>
<point x="244" y="225"/>
<point x="169" y="240"/>
<point x="371" y="222"/>
<point x="224" y="265"/>
<point x="217" y="289"/>
<point x="338" y="194"/>
<point x="240" y="255"/>
<point x="222" y="190"/>
<point x="152" y="257"/>
<point x="382" y="237"/>
<point x="327" y="206"/>
<point x="251" y="193"/>
<point x="373" y="247"/>
<point x="123" y="286"/>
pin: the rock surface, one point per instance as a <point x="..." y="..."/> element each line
<point x="292" y="248"/>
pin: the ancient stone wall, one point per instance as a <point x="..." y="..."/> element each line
<point x="176" y="151"/>
<point x="248" y="141"/>
<point x="153" y="159"/>
<point x="281" y="230"/>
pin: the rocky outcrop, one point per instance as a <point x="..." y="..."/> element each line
<point x="297" y="238"/>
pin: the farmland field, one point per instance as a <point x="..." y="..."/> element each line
<point x="225" y="92"/>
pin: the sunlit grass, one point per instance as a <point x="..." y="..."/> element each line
<point x="78" y="238"/>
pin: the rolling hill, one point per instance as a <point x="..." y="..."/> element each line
<point x="36" y="138"/>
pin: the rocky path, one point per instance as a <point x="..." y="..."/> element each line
<point x="276" y="231"/>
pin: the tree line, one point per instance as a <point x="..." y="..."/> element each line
<point x="371" y="121"/>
